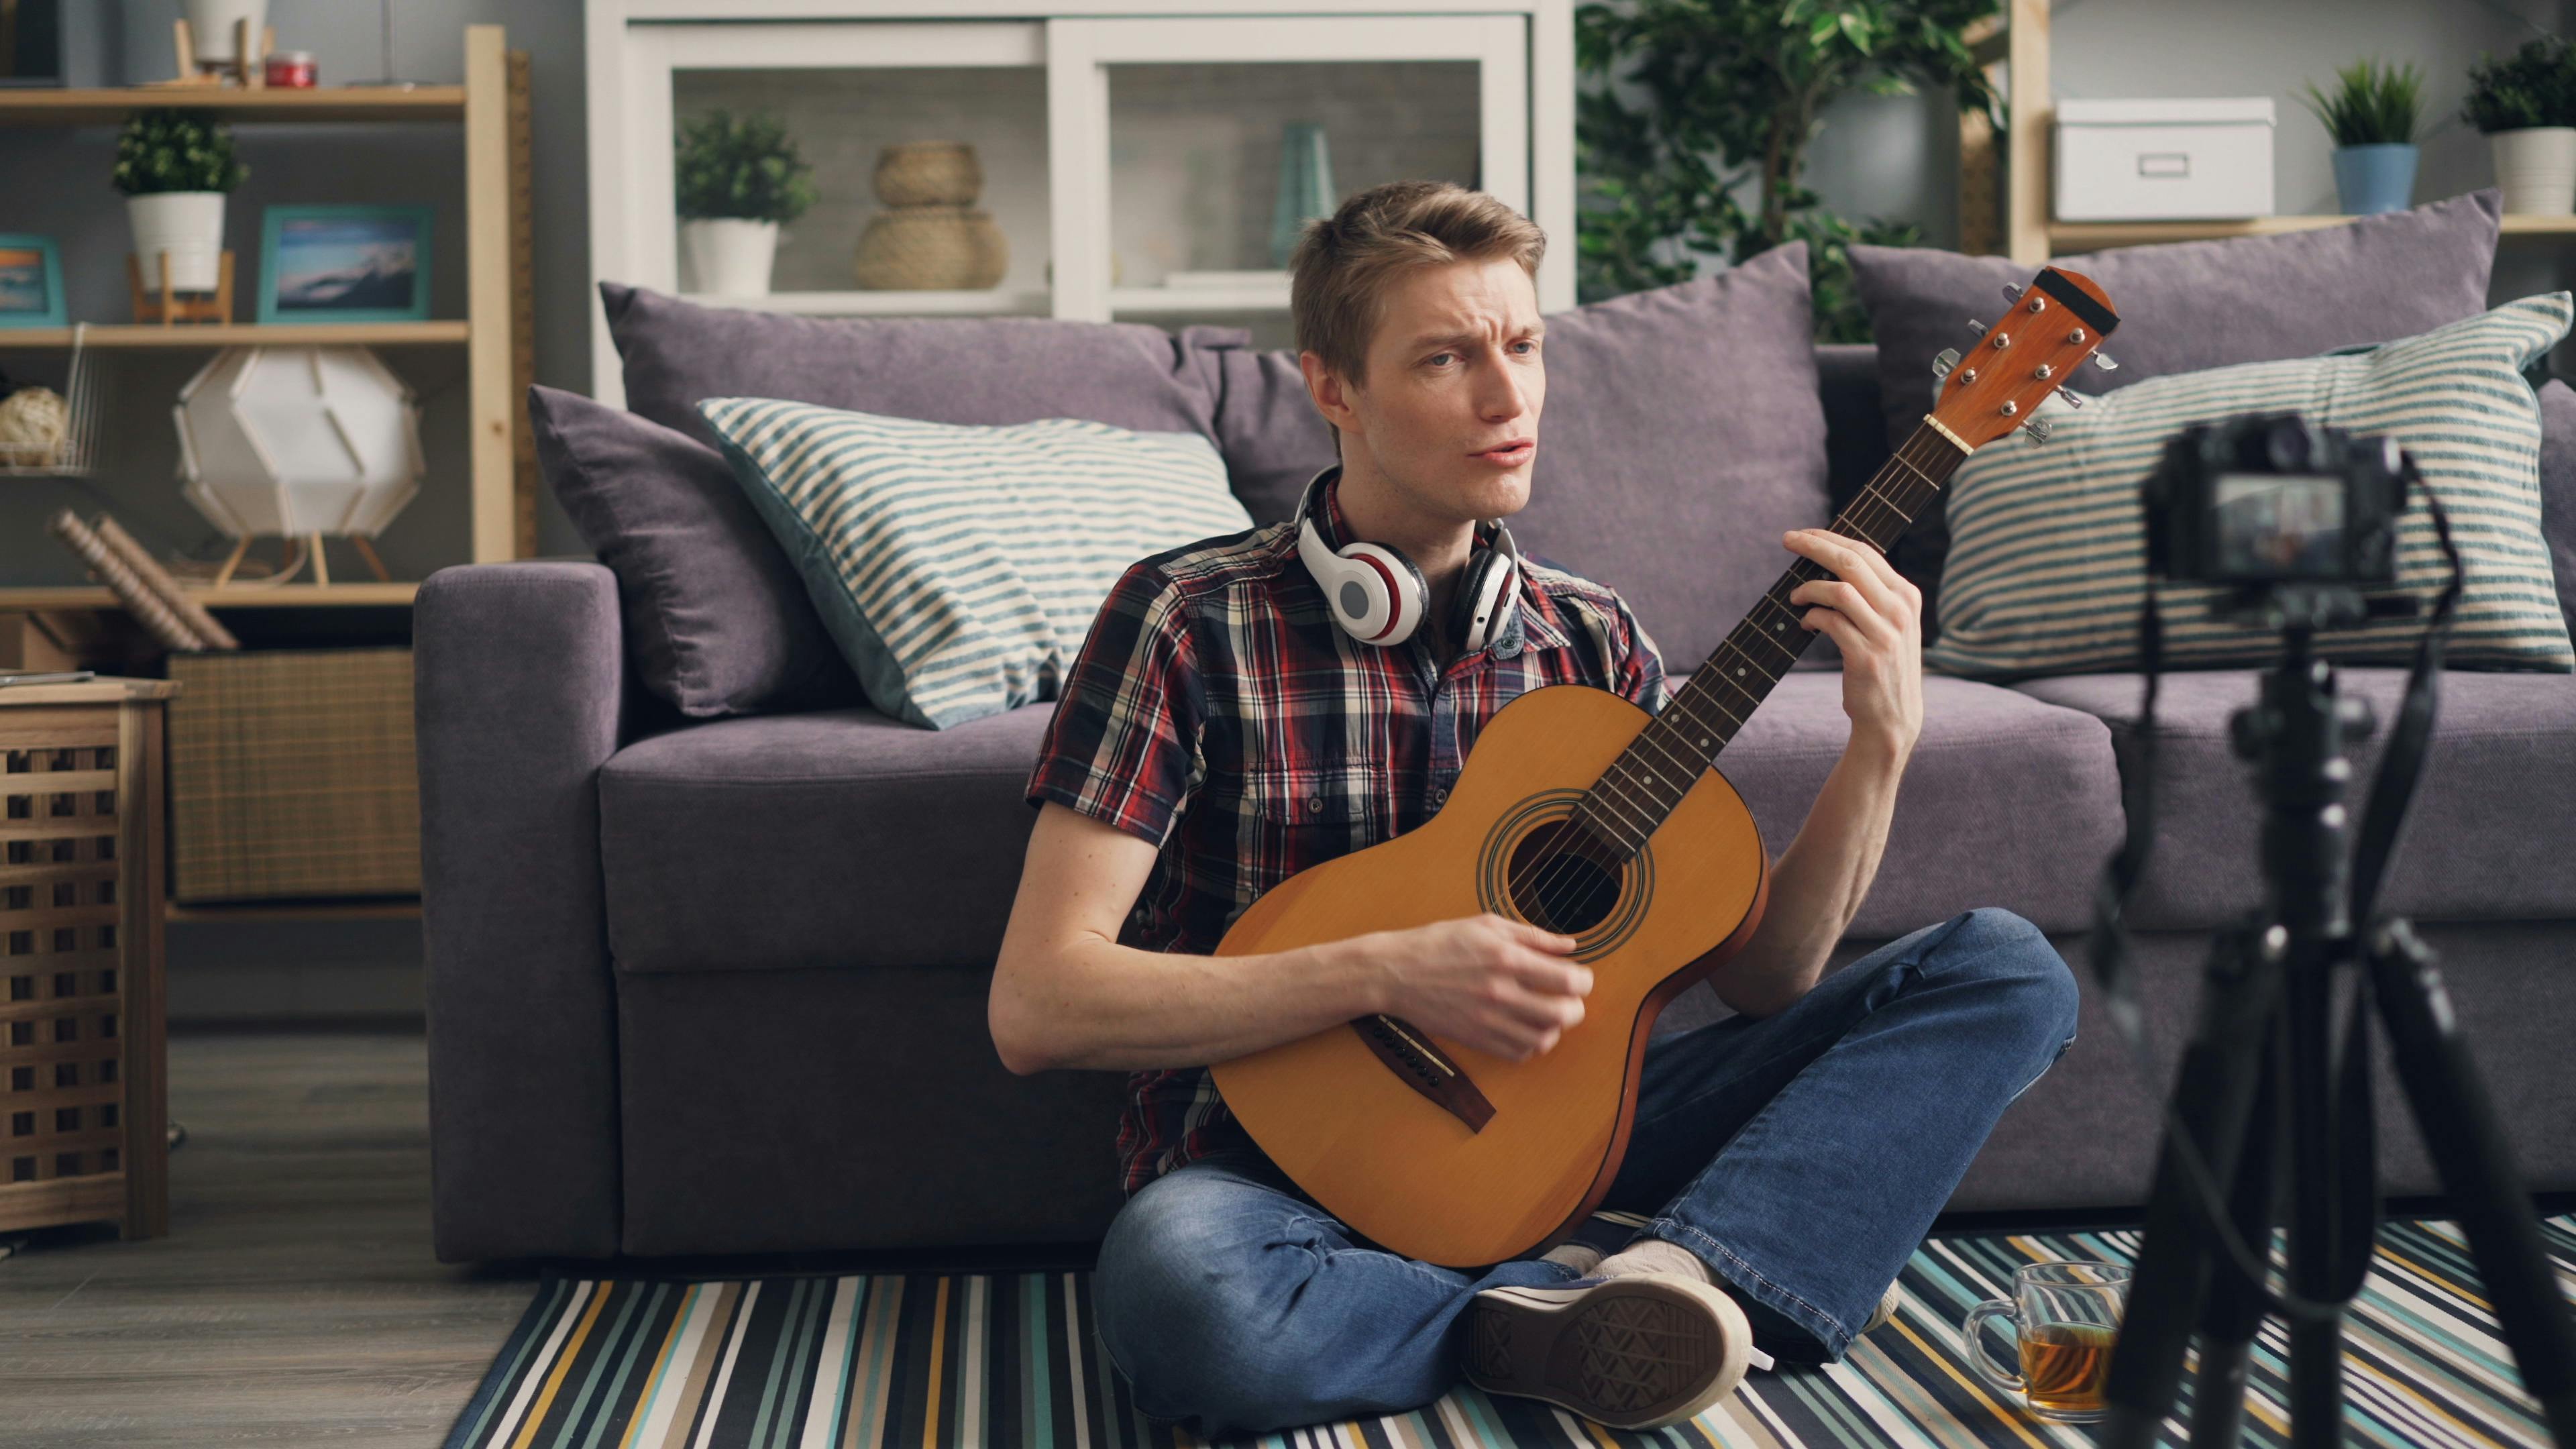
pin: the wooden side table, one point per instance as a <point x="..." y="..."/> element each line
<point x="84" y="1096"/>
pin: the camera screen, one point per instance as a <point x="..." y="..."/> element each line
<point x="2278" y="525"/>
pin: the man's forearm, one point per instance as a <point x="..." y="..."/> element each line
<point x="1116" y="1008"/>
<point x="1819" y="881"/>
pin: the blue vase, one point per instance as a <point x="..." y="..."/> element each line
<point x="2373" y="179"/>
<point x="1305" y="186"/>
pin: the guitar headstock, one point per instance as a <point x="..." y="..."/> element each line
<point x="2019" y="362"/>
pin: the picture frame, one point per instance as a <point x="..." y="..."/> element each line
<point x="344" y="264"/>
<point x="31" y="281"/>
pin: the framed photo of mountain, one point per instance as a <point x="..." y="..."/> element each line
<point x="344" y="264"/>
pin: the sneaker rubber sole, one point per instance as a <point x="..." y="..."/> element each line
<point x="1637" y="1351"/>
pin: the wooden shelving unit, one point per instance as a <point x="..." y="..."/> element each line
<point x="41" y="597"/>
<point x="112" y="105"/>
<point x="366" y="910"/>
<point x="133" y="335"/>
<point x="2004" y="202"/>
<point x="497" y="330"/>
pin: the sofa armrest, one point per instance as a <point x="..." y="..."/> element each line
<point x="519" y="691"/>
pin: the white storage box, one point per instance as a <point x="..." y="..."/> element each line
<point x="2197" y="160"/>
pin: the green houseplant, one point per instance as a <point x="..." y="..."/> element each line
<point x="2372" y="115"/>
<point x="2526" y="105"/>
<point x="1694" y="122"/>
<point x="737" y="180"/>
<point x="174" y="167"/>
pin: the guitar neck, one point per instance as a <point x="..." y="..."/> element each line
<point x="1650" y="777"/>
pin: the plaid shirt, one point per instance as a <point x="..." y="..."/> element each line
<point x="1218" y="712"/>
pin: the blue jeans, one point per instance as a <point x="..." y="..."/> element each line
<point x="1802" y="1156"/>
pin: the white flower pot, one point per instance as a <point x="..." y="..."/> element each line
<point x="210" y="25"/>
<point x="729" y="256"/>
<point x="2537" y="169"/>
<point x="189" y="225"/>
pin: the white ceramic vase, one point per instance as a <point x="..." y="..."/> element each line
<point x="730" y="257"/>
<point x="210" y="25"/>
<point x="2537" y="169"/>
<point x="189" y="225"/>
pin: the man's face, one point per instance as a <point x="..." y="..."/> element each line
<point x="1454" y="373"/>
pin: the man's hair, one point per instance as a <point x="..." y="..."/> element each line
<point x="1346" y="263"/>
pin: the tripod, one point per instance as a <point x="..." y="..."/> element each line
<point x="2260" y="1070"/>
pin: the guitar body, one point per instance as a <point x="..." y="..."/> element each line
<point x="1382" y="1156"/>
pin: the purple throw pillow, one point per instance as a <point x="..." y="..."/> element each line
<point x="2558" y="489"/>
<point x="1681" y="435"/>
<point x="986" y="371"/>
<point x="716" y="621"/>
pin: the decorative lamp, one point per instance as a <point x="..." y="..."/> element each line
<point x="299" y="442"/>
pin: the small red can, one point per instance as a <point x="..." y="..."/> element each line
<point x="291" y="69"/>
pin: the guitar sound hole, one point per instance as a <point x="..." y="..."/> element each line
<point x="1559" y="881"/>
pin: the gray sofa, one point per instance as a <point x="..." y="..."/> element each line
<point x="718" y="985"/>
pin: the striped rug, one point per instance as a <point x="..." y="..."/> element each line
<point x="924" y="1361"/>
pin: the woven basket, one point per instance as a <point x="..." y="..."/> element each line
<point x="292" y="774"/>
<point x="929" y="173"/>
<point x="944" y="248"/>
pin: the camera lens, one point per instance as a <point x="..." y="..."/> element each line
<point x="2287" y="445"/>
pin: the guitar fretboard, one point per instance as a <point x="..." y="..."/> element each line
<point x="1650" y="777"/>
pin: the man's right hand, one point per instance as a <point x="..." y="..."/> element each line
<point x="1500" y="986"/>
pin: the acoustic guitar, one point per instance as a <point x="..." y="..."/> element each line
<point x="1579" y="812"/>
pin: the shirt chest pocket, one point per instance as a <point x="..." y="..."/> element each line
<point x="1291" y="819"/>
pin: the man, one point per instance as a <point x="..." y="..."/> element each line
<point x="1224" y="728"/>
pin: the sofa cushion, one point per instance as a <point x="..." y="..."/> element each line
<point x="2491" y="813"/>
<point x="843" y="838"/>
<point x="1680" y="437"/>
<point x="937" y="369"/>
<point x="960" y="567"/>
<point x="2185" y="306"/>
<point x="715" y="619"/>
<point x="2048" y="561"/>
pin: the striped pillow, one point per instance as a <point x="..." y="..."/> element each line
<point x="958" y="568"/>
<point x="2048" y="555"/>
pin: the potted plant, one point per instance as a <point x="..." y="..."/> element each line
<point x="174" y="167"/>
<point x="2526" y="105"/>
<point x="737" y="180"/>
<point x="2372" y="116"/>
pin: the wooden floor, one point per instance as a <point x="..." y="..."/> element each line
<point x="295" y="1300"/>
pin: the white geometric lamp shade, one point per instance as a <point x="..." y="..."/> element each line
<point x="298" y="440"/>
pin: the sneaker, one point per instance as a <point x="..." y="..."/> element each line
<point x="1637" y="1351"/>
<point x="1888" y="1303"/>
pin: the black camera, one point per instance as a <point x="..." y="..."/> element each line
<point x="2271" y="498"/>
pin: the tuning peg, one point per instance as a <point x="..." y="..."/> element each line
<point x="2103" y="361"/>
<point x="2011" y="293"/>
<point x="1977" y="327"/>
<point x="1942" y="364"/>
<point x="2071" y="399"/>
<point x="2037" y="430"/>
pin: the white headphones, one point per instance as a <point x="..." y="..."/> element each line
<point x="1378" y="596"/>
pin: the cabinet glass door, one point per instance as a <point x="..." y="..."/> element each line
<point x="1193" y="150"/>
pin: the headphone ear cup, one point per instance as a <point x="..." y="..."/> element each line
<point x="1485" y="599"/>
<point x="1405" y="593"/>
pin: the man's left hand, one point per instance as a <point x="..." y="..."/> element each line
<point x="1875" y="616"/>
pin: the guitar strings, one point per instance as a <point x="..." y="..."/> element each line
<point x="1558" y="882"/>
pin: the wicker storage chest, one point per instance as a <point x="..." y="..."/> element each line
<point x="292" y="775"/>
<point x="83" y="1099"/>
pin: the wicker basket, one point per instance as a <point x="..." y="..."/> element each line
<point x="940" y="248"/>
<point x="929" y="173"/>
<point x="292" y="774"/>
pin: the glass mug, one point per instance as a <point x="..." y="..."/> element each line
<point x="2065" y="1317"/>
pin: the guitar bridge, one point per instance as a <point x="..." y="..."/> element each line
<point x="1425" y="1068"/>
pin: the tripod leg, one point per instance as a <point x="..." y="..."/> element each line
<point x="2469" y="1151"/>
<point x="2212" y="1092"/>
<point x="2316" y="1345"/>
<point x="2235" y="1311"/>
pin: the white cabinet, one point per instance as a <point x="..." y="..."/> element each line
<point x="1122" y="145"/>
